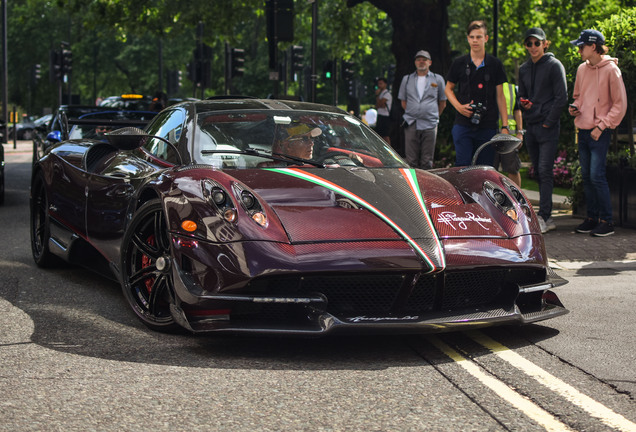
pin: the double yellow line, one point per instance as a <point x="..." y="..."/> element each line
<point x="529" y="408"/>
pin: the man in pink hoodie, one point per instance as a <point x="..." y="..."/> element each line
<point x="600" y="102"/>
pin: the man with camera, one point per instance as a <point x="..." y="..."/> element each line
<point x="478" y="79"/>
<point x="423" y="100"/>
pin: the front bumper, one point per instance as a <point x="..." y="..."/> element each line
<point x="316" y="304"/>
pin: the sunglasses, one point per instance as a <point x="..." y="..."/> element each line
<point x="536" y="43"/>
<point x="299" y="140"/>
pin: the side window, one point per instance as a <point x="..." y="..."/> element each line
<point x="168" y="125"/>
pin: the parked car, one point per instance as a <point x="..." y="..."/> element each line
<point x="26" y="130"/>
<point x="131" y="102"/>
<point x="249" y="215"/>
<point x="60" y="125"/>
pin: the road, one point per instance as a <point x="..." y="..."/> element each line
<point x="74" y="358"/>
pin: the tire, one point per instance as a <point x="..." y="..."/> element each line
<point x="40" y="224"/>
<point x="27" y="135"/>
<point x="146" y="274"/>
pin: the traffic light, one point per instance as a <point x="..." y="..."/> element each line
<point x="55" y="66"/>
<point x="191" y="73"/>
<point x="67" y="61"/>
<point x="37" y="72"/>
<point x="347" y="70"/>
<point x="280" y="20"/>
<point x="390" y="74"/>
<point x="237" y="61"/>
<point x="327" y="69"/>
<point x="297" y="58"/>
<point x="174" y="82"/>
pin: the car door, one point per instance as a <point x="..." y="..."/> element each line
<point x="109" y="194"/>
<point x="67" y="198"/>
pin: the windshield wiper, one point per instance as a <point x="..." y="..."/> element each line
<point x="280" y="157"/>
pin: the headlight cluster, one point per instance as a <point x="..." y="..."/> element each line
<point x="518" y="196"/>
<point x="220" y="198"/>
<point x="250" y="204"/>
<point x="501" y="200"/>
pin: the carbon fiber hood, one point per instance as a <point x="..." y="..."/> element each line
<point x="354" y="204"/>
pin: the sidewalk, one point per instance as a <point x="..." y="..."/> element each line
<point x="571" y="250"/>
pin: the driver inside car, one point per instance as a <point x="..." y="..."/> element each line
<point x="299" y="142"/>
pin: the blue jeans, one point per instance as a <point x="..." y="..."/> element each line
<point x="593" y="157"/>
<point x="467" y="140"/>
<point x="542" y="146"/>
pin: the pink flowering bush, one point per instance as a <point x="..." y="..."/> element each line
<point x="563" y="171"/>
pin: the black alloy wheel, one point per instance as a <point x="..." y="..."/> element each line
<point x="146" y="268"/>
<point x="40" y="227"/>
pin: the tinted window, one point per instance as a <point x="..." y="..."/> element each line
<point x="168" y="125"/>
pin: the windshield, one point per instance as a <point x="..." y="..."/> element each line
<point x="261" y="139"/>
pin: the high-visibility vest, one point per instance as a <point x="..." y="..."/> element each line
<point x="510" y="94"/>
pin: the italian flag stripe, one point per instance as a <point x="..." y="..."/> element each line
<point x="411" y="179"/>
<point x="294" y="172"/>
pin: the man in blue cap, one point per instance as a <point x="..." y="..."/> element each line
<point x="600" y="102"/>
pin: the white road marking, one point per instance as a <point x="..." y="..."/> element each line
<point x="529" y="408"/>
<point x="594" y="408"/>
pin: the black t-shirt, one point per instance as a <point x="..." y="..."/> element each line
<point x="478" y="84"/>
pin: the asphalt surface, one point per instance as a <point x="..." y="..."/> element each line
<point x="565" y="248"/>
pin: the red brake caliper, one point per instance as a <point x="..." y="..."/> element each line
<point x="146" y="261"/>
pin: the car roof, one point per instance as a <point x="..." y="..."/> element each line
<point x="245" y="103"/>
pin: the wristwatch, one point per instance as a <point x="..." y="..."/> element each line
<point x="520" y="131"/>
<point x="504" y="127"/>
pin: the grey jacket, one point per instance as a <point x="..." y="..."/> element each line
<point x="543" y="83"/>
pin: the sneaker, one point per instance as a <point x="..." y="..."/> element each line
<point x="603" y="229"/>
<point x="550" y="225"/>
<point x="588" y="225"/>
<point x="542" y="225"/>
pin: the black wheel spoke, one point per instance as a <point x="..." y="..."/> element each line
<point x="161" y="236"/>
<point x="160" y="295"/>
<point x="142" y="275"/>
<point x="140" y="242"/>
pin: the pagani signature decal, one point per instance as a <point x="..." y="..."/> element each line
<point x="451" y="219"/>
<point x="378" y="319"/>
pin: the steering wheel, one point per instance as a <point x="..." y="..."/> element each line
<point x="339" y="158"/>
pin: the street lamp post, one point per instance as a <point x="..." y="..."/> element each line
<point x="5" y="79"/>
<point x="314" y="36"/>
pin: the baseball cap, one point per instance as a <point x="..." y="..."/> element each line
<point x="302" y="131"/>
<point x="589" y="36"/>
<point x="422" y="53"/>
<point x="535" y="32"/>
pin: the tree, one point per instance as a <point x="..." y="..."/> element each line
<point x="621" y="39"/>
<point x="416" y="25"/>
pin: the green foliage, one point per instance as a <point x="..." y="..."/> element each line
<point x="620" y="35"/>
<point x="115" y="45"/>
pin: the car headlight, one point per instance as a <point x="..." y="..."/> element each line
<point x="501" y="200"/>
<point x="518" y="196"/>
<point x="219" y="198"/>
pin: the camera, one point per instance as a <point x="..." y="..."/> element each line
<point x="478" y="111"/>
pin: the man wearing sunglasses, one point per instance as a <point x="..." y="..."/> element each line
<point x="543" y="96"/>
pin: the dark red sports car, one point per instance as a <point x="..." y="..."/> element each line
<point x="251" y="215"/>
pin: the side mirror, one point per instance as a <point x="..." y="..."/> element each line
<point x="54" y="136"/>
<point x="503" y="144"/>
